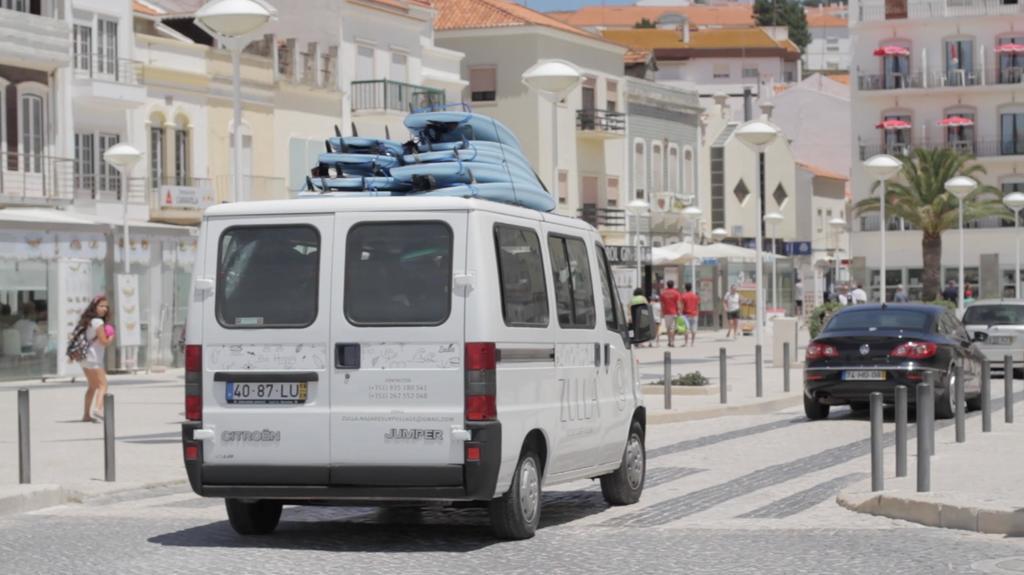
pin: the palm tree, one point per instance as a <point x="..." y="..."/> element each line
<point x="920" y="198"/>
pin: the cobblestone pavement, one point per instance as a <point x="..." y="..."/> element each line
<point x="734" y="495"/>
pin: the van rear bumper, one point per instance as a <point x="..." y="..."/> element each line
<point x="471" y="481"/>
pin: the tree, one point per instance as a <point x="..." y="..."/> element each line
<point x="645" y="23"/>
<point x="789" y="13"/>
<point x="920" y="198"/>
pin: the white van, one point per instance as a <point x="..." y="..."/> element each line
<point x="420" y="350"/>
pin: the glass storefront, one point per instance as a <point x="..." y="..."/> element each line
<point x="28" y="346"/>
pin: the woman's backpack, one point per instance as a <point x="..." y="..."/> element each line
<point x="78" y="345"/>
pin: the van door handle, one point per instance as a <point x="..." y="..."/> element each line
<point x="597" y="355"/>
<point x="347" y="356"/>
<point x="607" y="355"/>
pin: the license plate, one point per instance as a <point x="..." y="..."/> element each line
<point x="864" y="375"/>
<point x="1001" y="339"/>
<point x="253" y="393"/>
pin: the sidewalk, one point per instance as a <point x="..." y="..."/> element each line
<point x="975" y="486"/>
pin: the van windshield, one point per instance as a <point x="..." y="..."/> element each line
<point x="398" y="273"/>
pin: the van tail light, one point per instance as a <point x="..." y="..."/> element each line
<point x="194" y="382"/>
<point x="914" y="350"/>
<point x="481" y="363"/>
<point x="821" y="351"/>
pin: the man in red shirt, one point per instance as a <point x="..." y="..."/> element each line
<point x="691" y="312"/>
<point x="670" y="299"/>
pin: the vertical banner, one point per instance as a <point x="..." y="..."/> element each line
<point x="129" y="331"/>
<point x="74" y="283"/>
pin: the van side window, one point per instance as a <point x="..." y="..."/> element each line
<point x="612" y="310"/>
<point x="524" y="292"/>
<point x="574" y="291"/>
<point x="398" y="273"/>
<point x="268" y="276"/>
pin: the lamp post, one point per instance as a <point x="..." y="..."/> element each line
<point x="719" y="234"/>
<point x="758" y="135"/>
<point x="637" y="208"/>
<point x="124" y="157"/>
<point x="961" y="187"/>
<point x="837" y="225"/>
<point x="692" y="215"/>
<point x="772" y="219"/>
<point x="1015" y="201"/>
<point x="230" y="21"/>
<point x="554" y="79"/>
<point x="882" y="167"/>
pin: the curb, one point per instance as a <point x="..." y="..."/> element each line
<point x="936" y="513"/>
<point x="748" y="409"/>
<point x="655" y="389"/>
<point x="32" y="497"/>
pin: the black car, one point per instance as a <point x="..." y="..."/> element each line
<point x="872" y="347"/>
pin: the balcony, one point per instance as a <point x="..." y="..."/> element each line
<point x="925" y="9"/>
<point x="180" y="199"/>
<point x="941" y="79"/>
<point x="389" y="96"/>
<point x="603" y="218"/>
<point x="108" y="81"/>
<point x="601" y="123"/>
<point x="33" y="41"/>
<point x="983" y="149"/>
<point x="35" y="180"/>
<point x="106" y="187"/>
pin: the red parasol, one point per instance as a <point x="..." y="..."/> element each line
<point x="892" y="51"/>
<point x="893" y="125"/>
<point x="956" y="122"/>
<point x="1010" y="48"/>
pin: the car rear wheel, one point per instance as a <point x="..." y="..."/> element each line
<point x="859" y="406"/>
<point x="253" y="517"/>
<point x="624" y="485"/>
<point x="516" y="514"/>
<point x="945" y="402"/>
<point x="814" y="409"/>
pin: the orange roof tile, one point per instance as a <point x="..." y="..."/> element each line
<point x="650" y="39"/>
<point x="823" y="173"/>
<point x="826" y="18"/>
<point x="841" y="78"/>
<point x="472" y="14"/>
<point x="635" y="56"/>
<point x="733" y="15"/>
<point x="141" y="8"/>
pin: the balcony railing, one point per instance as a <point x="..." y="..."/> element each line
<point x="107" y="68"/>
<point x="106" y="187"/>
<point x="601" y="121"/>
<point x="923" y="9"/>
<point x="982" y="149"/>
<point x="394" y="96"/>
<point x="35" y="179"/>
<point x="942" y="79"/>
<point x="604" y="218"/>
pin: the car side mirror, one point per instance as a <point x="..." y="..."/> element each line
<point x="643" y="323"/>
<point x="979" y="336"/>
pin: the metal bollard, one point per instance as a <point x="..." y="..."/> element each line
<point x="1008" y="388"/>
<point x="929" y="417"/>
<point x="986" y="397"/>
<point x="924" y="472"/>
<point x="668" y="380"/>
<point x="24" y="442"/>
<point x="759" y="383"/>
<point x="959" y="410"/>
<point x="785" y="367"/>
<point x="723" y="385"/>
<point x="108" y="438"/>
<point x="877" y="477"/>
<point x="901" y="431"/>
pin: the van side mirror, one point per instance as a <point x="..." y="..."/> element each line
<point x="643" y="323"/>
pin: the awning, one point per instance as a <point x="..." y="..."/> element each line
<point x="893" y="125"/>
<point x="50" y="217"/>
<point x="680" y="253"/>
<point x="1010" y="48"/>
<point x="956" y="122"/>
<point x="892" y="51"/>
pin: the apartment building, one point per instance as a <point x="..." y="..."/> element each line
<point x="829" y="48"/>
<point x="938" y="74"/>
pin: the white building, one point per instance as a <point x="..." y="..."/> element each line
<point x="919" y="63"/>
<point x="829" y="48"/>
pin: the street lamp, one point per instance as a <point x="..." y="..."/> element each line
<point x="772" y="219"/>
<point x="838" y="225"/>
<point x="757" y="135"/>
<point x="961" y="186"/>
<point x="882" y="167"/>
<point x="692" y="214"/>
<point x="1015" y="201"/>
<point x="230" y="21"/>
<point x="719" y="234"/>
<point x="554" y="79"/>
<point x="637" y="208"/>
<point x="123" y="157"/>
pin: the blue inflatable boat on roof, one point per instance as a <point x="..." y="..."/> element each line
<point x="450" y="153"/>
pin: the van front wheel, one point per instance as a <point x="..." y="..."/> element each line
<point x="516" y="514"/>
<point x="624" y="485"/>
<point x="253" y="517"/>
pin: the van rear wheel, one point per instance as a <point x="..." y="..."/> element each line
<point x="624" y="485"/>
<point x="253" y="517"/>
<point x="516" y="514"/>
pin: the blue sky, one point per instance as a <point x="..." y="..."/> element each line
<point x="549" y="5"/>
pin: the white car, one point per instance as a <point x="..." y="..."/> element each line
<point x="420" y="350"/>
<point x="997" y="327"/>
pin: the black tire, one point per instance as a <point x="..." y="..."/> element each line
<point x="516" y="514"/>
<point x="974" y="403"/>
<point x="625" y="485"/>
<point x="945" y="401"/>
<point x="860" y="406"/>
<point x="253" y="518"/>
<point x="815" y="410"/>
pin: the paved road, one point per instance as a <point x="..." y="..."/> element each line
<point x="741" y="494"/>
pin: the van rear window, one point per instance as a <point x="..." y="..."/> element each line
<point x="398" y="273"/>
<point x="268" y="276"/>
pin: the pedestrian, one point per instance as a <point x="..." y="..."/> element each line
<point x="731" y="300"/>
<point x="798" y="290"/>
<point x="691" y="313"/>
<point x="98" y="333"/>
<point x="656" y="311"/>
<point x="844" y="300"/>
<point x="858" y="295"/>
<point x="951" y="293"/>
<point x="968" y="294"/>
<point x="638" y="297"/>
<point x="670" y="300"/>
<point x="901" y="295"/>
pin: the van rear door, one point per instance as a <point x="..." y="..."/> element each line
<point x="397" y="345"/>
<point x="265" y="335"/>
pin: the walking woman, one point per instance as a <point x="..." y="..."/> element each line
<point x="98" y="334"/>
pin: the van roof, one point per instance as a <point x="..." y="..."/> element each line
<point x="383" y="204"/>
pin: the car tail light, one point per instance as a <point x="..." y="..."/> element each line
<point x="194" y="382"/>
<point x="472" y="452"/>
<point x="821" y="351"/>
<point x="914" y="350"/>
<point x="191" y="452"/>
<point x="481" y="363"/>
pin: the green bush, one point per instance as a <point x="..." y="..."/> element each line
<point x="944" y="303"/>
<point x="819" y="317"/>
<point x="692" y="379"/>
